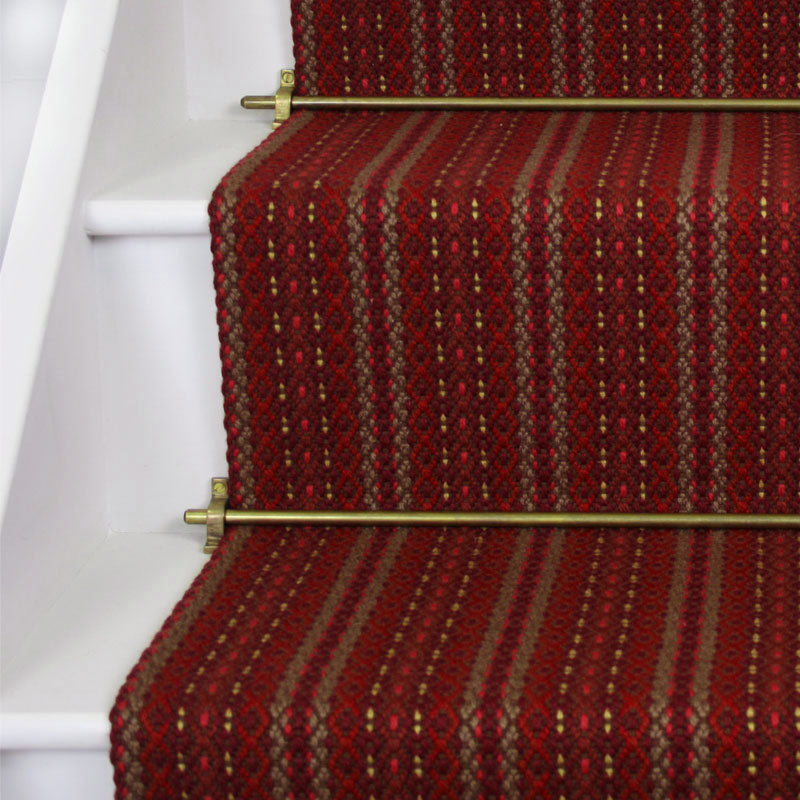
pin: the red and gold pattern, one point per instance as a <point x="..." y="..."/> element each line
<point x="496" y="310"/>
<point x="508" y="48"/>
<point x="513" y="310"/>
<point x="463" y="663"/>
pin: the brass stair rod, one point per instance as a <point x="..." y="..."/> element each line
<point x="216" y="516"/>
<point x="346" y="103"/>
<point x="284" y="101"/>
<point x="516" y="519"/>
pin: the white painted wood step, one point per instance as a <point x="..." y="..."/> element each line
<point x="169" y="194"/>
<point x="59" y="687"/>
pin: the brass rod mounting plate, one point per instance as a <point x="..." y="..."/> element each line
<point x="215" y="515"/>
<point x="283" y="99"/>
<point x="413" y="103"/>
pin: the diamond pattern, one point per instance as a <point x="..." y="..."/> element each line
<point x="511" y="311"/>
<point x="509" y="48"/>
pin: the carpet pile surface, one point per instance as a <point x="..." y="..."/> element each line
<point x="480" y="310"/>
<point x="684" y="48"/>
<point x="507" y="311"/>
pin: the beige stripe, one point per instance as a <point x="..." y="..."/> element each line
<point x="482" y="664"/>
<point x="216" y="572"/>
<point x="400" y="406"/>
<point x="587" y="47"/>
<point x="719" y="268"/>
<point x="448" y="47"/>
<point x="659" y="749"/>
<point x="513" y="782"/>
<point x="684" y="324"/>
<point x="728" y="39"/>
<point x="557" y="19"/>
<point x="283" y="694"/>
<point x="358" y="281"/>
<point x="698" y="47"/>
<point x="338" y="661"/>
<point x="416" y="19"/>
<point x="558" y="328"/>
<point x="705" y="661"/>
<point x="522" y="305"/>
<point x="310" y="45"/>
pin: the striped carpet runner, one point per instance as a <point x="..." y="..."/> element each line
<point x="496" y="310"/>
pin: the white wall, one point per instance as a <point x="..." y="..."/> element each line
<point x="169" y="61"/>
<point x="232" y="52"/>
<point x="57" y="511"/>
<point x="28" y="31"/>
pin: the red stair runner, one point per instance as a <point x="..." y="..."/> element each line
<point x="465" y="664"/>
<point x="540" y="48"/>
<point x="499" y="311"/>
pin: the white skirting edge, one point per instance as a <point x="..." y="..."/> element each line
<point x="54" y="731"/>
<point x="116" y="217"/>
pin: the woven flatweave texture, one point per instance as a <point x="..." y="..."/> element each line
<point x="685" y="48"/>
<point x="513" y="311"/>
<point x="473" y="664"/>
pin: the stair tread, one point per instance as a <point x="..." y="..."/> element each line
<point x="169" y="194"/>
<point x="57" y="690"/>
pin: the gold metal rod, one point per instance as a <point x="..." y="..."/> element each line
<point x="258" y="102"/>
<point x="344" y="103"/>
<point x="486" y="519"/>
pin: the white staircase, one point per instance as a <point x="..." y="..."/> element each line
<point x="111" y="336"/>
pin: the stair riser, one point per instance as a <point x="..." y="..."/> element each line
<point x="163" y="405"/>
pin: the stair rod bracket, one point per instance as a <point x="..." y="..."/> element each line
<point x="281" y="101"/>
<point x="213" y="517"/>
